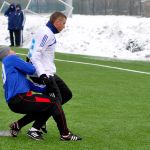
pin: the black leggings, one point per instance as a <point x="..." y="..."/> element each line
<point x="63" y="90"/>
<point x="38" y="108"/>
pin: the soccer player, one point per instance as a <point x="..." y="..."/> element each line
<point x="42" y="53"/>
<point x="36" y="107"/>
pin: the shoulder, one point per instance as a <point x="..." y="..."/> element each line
<point x="10" y="60"/>
<point x="44" y="31"/>
<point x="10" y="57"/>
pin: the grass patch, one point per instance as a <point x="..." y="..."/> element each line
<point x="109" y="109"/>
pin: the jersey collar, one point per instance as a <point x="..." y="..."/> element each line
<point x="52" y="27"/>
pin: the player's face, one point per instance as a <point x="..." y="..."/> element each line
<point x="60" y="24"/>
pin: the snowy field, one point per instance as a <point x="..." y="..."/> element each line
<point x="119" y="37"/>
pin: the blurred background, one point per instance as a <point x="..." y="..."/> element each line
<point x="89" y="7"/>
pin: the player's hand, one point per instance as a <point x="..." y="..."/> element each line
<point x="50" y="84"/>
<point x="45" y="80"/>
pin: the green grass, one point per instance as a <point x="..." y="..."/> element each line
<point x="110" y="108"/>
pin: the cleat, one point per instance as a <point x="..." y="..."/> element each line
<point x="70" y="137"/>
<point x="14" y="129"/>
<point x="36" y="135"/>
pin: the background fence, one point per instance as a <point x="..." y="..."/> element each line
<point x="108" y="7"/>
<point x="112" y="7"/>
<point x="92" y="7"/>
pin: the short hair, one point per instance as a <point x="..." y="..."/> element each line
<point x="57" y="15"/>
<point x="4" y="51"/>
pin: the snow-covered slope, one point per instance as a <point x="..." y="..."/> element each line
<point x="120" y="37"/>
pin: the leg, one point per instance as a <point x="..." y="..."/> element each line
<point x="21" y="37"/>
<point x="34" y="106"/>
<point x="38" y="108"/>
<point x="15" y="127"/>
<point x="60" y="119"/>
<point x="66" y="93"/>
<point x="11" y="33"/>
<point x="17" y="37"/>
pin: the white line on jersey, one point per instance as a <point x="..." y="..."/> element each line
<point x="104" y="66"/>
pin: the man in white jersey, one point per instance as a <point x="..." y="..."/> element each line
<point x="41" y="55"/>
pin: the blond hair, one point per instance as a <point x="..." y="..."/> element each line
<point x="57" y="15"/>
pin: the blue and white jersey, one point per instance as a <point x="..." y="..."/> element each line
<point x="42" y="50"/>
<point x="14" y="71"/>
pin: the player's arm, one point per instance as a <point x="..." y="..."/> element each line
<point x="7" y="12"/>
<point x="36" y="87"/>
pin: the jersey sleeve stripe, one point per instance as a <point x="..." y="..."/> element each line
<point x="44" y="40"/>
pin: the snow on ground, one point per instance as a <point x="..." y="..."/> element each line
<point x="122" y="37"/>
